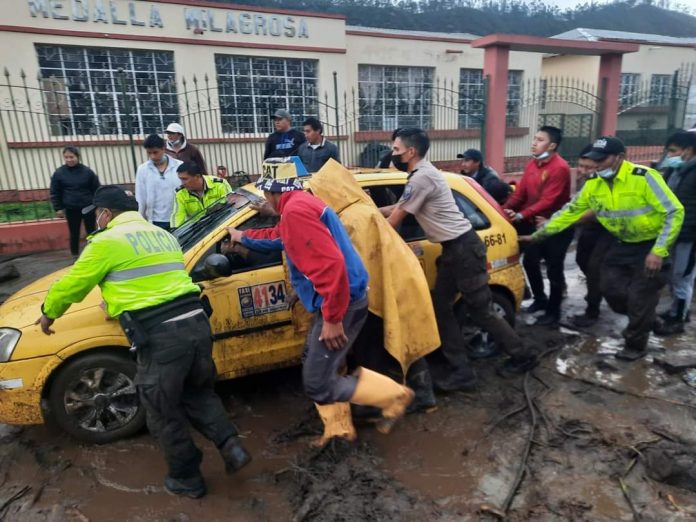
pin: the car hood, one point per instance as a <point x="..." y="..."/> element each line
<point x="23" y="308"/>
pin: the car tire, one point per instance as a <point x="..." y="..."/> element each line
<point x="94" y="398"/>
<point x="502" y="305"/>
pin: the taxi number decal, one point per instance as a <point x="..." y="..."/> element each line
<point x="494" y="240"/>
<point x="262" y="299"/>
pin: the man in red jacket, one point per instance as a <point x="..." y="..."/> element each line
<point x="543" y="189"/>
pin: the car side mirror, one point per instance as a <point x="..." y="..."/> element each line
<point x="217" y="265"/>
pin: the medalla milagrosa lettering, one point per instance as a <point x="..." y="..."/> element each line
<point x="246" y="23"/>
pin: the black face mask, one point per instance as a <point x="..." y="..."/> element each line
<point x="398" y="164"/>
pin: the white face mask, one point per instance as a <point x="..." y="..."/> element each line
<point x="544" y="155"/>
<point x="605" y="173"/>
<point x="174" y="143"/>
<point x="99" y="227"/>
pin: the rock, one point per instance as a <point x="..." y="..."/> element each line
<point x="675" y="363"/>
<point x="8" y="271"/>
<point x="672" y="463"/>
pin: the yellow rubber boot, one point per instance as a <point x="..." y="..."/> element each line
<point x="337" y="423"/>
<point x="375" y="389"/>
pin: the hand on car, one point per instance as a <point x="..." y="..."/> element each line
<point x="333" y="336"/>
<point x="235" y="235"/>
<point x="45" y="323"/>
<point x="653" y="264"/>
<point x="264" y="209"/>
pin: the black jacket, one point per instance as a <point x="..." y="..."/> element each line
<point x="496" y="187"/>
<point x="682" y="181"/>
<point x="314" y="159"/>
<point x="282" y="144"/>
<point x="73" y="187"/>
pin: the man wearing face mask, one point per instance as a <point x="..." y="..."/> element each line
<point x="180" y="148"/>
<point x="156" y="182"/>
<point x="679" y="169"/>
<point x="637" y="207"/>
<point x="543" y="189"/>
<point x="461" y="267"/>
<point x="140" y="271"/>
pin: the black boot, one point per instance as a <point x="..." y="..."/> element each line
<point x="673" y="324"/>
<point x="421" y="383"/>
<point x="193" y="487"/>
<point x="234" y="455"/>
<point x="517" y="365"/>
<point x="538" y="305"/>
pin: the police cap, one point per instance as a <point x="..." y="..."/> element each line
<point x="112" y="197"/>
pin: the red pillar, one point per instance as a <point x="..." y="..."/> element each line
<point x="495" y="68"/>
<point x="609" y="86"/>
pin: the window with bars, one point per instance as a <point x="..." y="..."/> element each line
<point x="472" y="104"/>
<point x="84" y="86"/>
<point x="392" y="97"/>
<point x="251" y="89"/>
<point x="629" y="90"/>
<point x="660" y="89"/>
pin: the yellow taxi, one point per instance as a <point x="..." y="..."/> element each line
<point x="81" y="378"/>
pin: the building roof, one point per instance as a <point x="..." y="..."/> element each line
<point x="540" y="44"/>
<point x="358" y="30"/>
<point x="596" y="35"/>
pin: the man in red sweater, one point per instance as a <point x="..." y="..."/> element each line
<point x="543" y="189"/>
<point x="330" y="280"/>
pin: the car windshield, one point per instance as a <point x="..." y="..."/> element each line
<point x="200" y="225"/>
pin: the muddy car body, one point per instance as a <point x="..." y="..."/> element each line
<point x="82" y="376"/>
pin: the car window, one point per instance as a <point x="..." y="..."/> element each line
<point x="385" y="195"/>
<point x="474" y="214"/>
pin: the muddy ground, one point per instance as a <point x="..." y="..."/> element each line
<point x="575" y="453"/>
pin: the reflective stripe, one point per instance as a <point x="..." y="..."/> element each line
<point x="669" y="207"/>
<point x="629" y="212"/>
<point x="134" y="273"/>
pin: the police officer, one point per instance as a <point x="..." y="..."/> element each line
<point x="461" y="267"/>
<point x="637" y="207"/>
<point x="196" y="193"/>
<point x="140" y="270"/>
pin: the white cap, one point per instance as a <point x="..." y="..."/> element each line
<point x="175" y="127"/>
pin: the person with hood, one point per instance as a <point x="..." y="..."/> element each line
<point x="330" y="280"/>
<point x="473" y="166"/>
<point x="178" y="147"/>
<point x="680" y="174"/>
<point x="72" y="188"/>
<point x="398" y="293"/>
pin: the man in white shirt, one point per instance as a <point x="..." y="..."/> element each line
<point x="156" y="182"/>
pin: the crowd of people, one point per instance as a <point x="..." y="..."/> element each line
<point x="637" y="232"/>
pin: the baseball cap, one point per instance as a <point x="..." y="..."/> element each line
<point x="112" y="197"/>
<point x="281" y="113"/>
<point x="282" y="174"/>
<point x="605" y="146"/>
<point x="175" y="127"/>
<point x="472" y="154"/>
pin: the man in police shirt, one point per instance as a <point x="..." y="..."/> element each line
<point x="140" y="270"/>
<point x="461" y="267"/>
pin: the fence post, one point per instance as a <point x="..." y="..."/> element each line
<point x="672" y="115"/>
<point x="129" y="117"/>
<point x="484" y="113"/>
<point x="601" y="107"/>
<point x="335" y="85"/>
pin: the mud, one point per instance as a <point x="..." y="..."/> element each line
<point x="594" y="418"/>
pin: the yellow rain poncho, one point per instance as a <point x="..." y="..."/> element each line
<point x="398" y="291"/>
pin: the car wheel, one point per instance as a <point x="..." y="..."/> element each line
<point x="502" y="306"/>
<point x="94" y="398"/>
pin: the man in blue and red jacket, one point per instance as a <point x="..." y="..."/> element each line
<point x="330" y="280"/>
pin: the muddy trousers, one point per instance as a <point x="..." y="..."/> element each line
<point x="593" y="243"/>
<point x="74" y="217"/>
<point x="462" y="269"/>
<point x="175" y="379"/>
<point x="321" y="366"/>
<point x="682" y="278"/>
<point x="630" y="292"/>
<point x="553" y="251"/>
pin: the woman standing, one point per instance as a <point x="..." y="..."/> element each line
<point x="72" y="188"/>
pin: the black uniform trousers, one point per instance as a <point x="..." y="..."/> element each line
<point x="462" y="269"/>
<point x="630" y="292"/>
<point x="74" y="217"/>
<point x="593" y="244"/>
<point x="552" y="250"/>
<point x="175" y="379"/>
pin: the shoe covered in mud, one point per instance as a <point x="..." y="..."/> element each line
<point x="193" y="487"/>
<point x="669" y="326"/>
<point x="375" y="389"/>
<point x="337" y="421"/>
<point x="234" y="455"/>
<point x="517" y="365"/>
<point x="630" y="354"/>
<point x="584" y="320"/>
<point x="463" y="380"/>
<point x="483" y="349"/>
<point x="539" y="305"/>
<point x="547" y="319"/>
<point x="422" y="385"/>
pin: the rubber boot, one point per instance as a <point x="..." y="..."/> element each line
<point x="422" y="384"/>
<point x="375" y="389"/>
<point x="673" y="325"/>
<point x="234" y="455"/>
<point x="337" y="423"/>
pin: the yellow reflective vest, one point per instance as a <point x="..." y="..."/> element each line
<point x="637" y="206"/>
<point x="188" y="204"/>
<point x="136" y="264"/>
